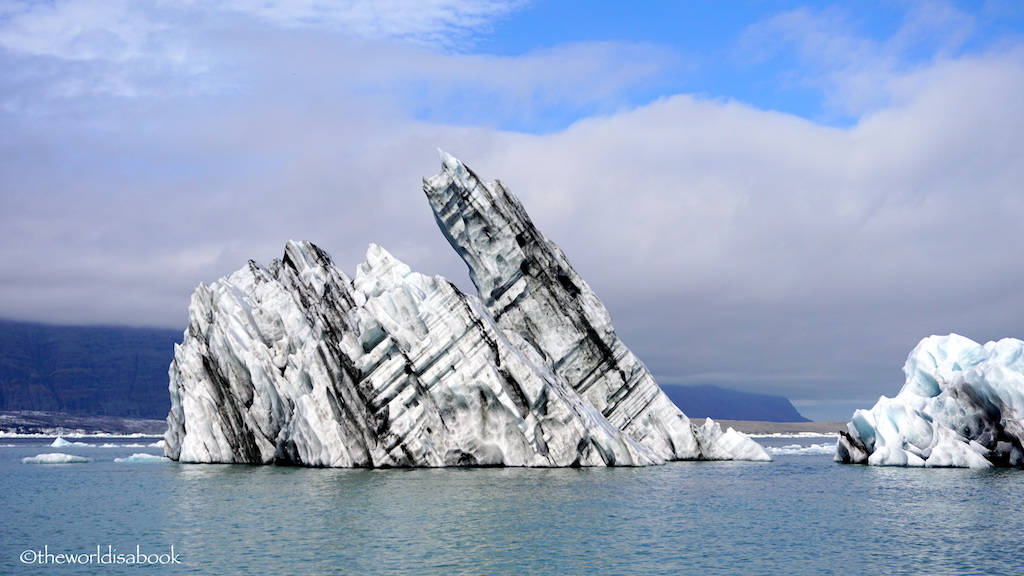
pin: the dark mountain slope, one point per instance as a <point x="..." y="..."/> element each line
<point x="99" y="370"/>
<point x="722" y="404"/>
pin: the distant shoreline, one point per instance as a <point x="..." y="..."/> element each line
<point x="54" y="423"/>
<point x="755" y="427"/>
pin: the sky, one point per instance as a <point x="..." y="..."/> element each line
<point x="779" y="197"/>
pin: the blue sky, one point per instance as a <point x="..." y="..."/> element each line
<point x="695" y="45"/>
<point x="771" y="55"/>
<point x="781" y="197"/>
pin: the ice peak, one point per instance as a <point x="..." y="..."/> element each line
<point x="450" y="163"/>
<point x="380" y="268"/>
<point x="377" y="252"/>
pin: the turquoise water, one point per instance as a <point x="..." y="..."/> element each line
<point x="801" y="514"/>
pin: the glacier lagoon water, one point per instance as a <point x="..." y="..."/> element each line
<point x="802" y="514"/>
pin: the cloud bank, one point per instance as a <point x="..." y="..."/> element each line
<point x="147" y="147"/>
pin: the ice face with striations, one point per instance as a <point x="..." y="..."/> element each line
<point x="961" y="406"/>
<point x="296" y="363"/>
<point x="529" y="288"/>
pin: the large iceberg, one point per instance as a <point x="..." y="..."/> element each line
<point x="961" y="406"/>
<point x="296" y="363"/>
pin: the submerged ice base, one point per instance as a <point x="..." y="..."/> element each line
<point x="961" y="406"/>
<point x="296" y="363"/>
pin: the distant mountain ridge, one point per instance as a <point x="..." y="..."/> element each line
<point x="95" y="370"/>
<point x="122" y="371"/>
<point x="723" y="404"/>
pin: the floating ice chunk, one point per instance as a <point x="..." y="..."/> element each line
<point x="961" y="406"/>
<point x="797" y="449"/>
<point x="142" y="457"/>
<point x="55" y="458"/>
<point x="728" y="445"/>
<point x="62" y="443"/>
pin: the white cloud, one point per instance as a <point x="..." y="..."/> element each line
<point x="836" y="54"/>
<point x="735" y="191"/>
<point x="122" y="30"/>
<point x="751" y="247"/>
<point x="116" y="30"/>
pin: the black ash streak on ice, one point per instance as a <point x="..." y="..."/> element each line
<point x="295" y="363"/>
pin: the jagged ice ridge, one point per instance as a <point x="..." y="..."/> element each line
<point x="296" y="363"/>
<point x="961" y="406"/>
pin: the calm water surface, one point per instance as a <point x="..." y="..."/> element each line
<point x="801" y="514"/>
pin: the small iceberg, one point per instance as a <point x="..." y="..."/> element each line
<point x="797" y="449"/>
<point x="62" y="443"/>
<point x="143" y="457"/>
<point x="55" y="458"/>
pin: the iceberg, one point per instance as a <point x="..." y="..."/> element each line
<point x="60" y="442"/>
<point x="798" y="449"/>
<point x="55" y="458"/>
<point x="296" y="363"/>
<point x="961" y="406"/>
<point x="142" y="457"/>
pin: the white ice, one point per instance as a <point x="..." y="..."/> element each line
<point x="798" y="449"/>
<point x="296" y="363"/>
<point x="60" y="442"/>
<point x="142" y="458"/>
<point x="55" y="458"/>
<point x="961" y="406"/>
